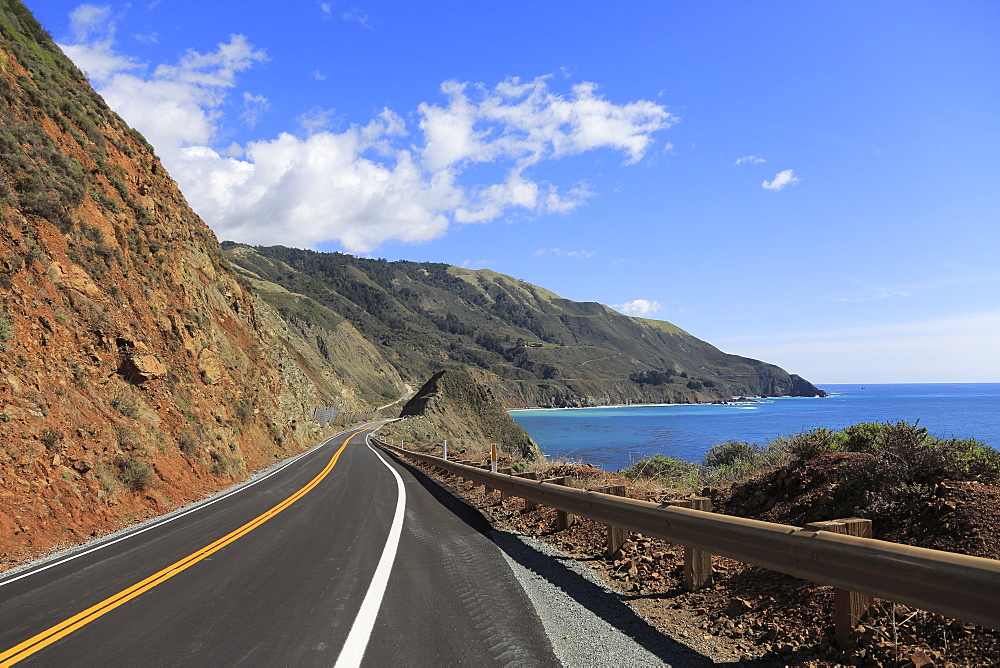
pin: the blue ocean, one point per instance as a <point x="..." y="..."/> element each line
<point x="613" y="438"/>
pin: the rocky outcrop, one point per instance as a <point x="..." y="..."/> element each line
<point x="454" y="406"/>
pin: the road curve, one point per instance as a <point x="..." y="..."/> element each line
<point x="277" y="573"/>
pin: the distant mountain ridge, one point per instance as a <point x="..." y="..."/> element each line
<point x="532" y="347"/>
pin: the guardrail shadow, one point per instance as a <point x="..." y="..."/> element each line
<point x="600" y="601"/>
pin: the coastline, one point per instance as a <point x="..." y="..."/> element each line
<point x="612" y="435"/>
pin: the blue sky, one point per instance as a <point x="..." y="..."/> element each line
<point x="809" y="183"/>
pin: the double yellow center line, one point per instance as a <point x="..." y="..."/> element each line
<point x="46" y="638"/>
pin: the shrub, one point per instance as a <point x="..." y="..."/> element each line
<point x="244" y="410"/>
<point x="133" y="473"/>
<point x="51" y="439"/>
<point x="6" y="330"/>
<point x="188" y="444"/>
<point x="125" y="406"/>
<point x="127" y="440"/>
<point x="667" y="469"/>
<point x="908" y="454"/>
<point x="733" y="452"/>
<point x="809" y="444"/>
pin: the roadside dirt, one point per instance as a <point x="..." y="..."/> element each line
<point x="753" y="617"/>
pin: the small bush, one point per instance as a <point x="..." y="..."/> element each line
<point x="6" y="330"/>
<point x="244" y="410"/>
<point x="125" y="406"/>
<point x="669" y="470"/>
<point x="127" y="440"/>
<point x="188" y="444"/>
<point x="51" y="439"/>
<point x="732" y="452"/>
<point x="908" y="454"/>
<point x="809" y="444"/>
<point x="133" y="473"/>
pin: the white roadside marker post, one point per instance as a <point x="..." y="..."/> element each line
<point x="446" y="450"/>
<point x="493" y="457"/>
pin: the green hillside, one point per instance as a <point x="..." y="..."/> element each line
<point x="532" y="347"/>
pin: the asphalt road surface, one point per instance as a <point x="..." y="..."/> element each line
<point x="340" y="558"/>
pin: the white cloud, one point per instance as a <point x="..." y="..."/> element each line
<point x="253" y="107"/>
<point x="527" y="122"/>
<point x="316" y="119"/>
<point x="781" y="180"/>
<point x="318" y="76"/>
<point x="367" y="184"/>
<point x="89" y="22"/>
<point x="357" y="16"/>
<point x="581" y="254"/>
<point x="176" y="105"/>
<point x="750" y="159"/>
<point x="639" y="308"/>
<point x="326" y="8"/>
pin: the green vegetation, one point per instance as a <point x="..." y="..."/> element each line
<point x="124" y="405"/>
<point x="133" y="473"/>
<point x="545" y="350"/>
<point x="898" y="457"/>
<point x="6" y="330"/>
<point x="187" y="442"/>
<point x="669" y="471"/>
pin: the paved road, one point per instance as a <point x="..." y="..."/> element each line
<point x="281" y="573"/>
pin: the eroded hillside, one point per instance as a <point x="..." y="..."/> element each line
<point x="136" y="369"/>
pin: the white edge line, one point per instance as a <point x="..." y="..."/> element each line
<point x="361" y="631"/>
<point x="167" y="520"/>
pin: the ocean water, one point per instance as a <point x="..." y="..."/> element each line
<point x="613" y="438"/>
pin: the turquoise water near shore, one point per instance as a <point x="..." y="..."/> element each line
<point x="613" y="438"/>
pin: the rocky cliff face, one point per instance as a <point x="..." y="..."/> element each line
<point x="137" y="371"/>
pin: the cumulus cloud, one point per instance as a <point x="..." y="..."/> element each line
<point x="365" y="184"/>
<point x="639" y="308"/>
<point x="174" y="105"/>
<point x="527" y="122"/>
<point x="750" y="160"/>
<point x="780" y="180"/>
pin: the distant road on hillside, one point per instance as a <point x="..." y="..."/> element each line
<point x="287" y="571"/>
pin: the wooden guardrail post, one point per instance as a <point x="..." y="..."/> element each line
<point x="508" y="471"/>
<point x="616" y="535"/>
<point x="848" y="606"/>
<point x="564" y="520"/>
<point x="531" y="475"/>
<point x="697" y="563"/>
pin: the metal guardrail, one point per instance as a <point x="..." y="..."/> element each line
<point x="956" y="585"/>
